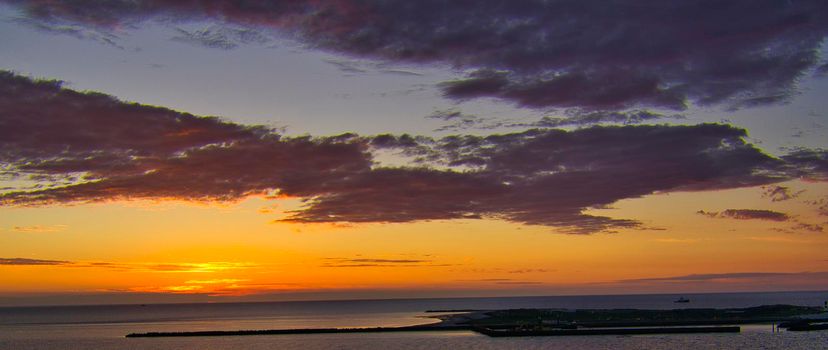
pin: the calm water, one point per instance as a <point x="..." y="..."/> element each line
<point x="103" y="327"/>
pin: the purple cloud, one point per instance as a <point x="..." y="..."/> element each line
<point x="125" y="150"/>
<point x="594" y="90"/>
<point x="87" y="147"/>
<point x="460" y="121"/>
<point x="549" y="177"/>
<point x="37" y="114"/>
<point x="563" y="53"/>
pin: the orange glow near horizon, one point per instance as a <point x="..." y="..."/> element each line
<point x="234" y="250"/>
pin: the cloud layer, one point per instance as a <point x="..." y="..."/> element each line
<point x="563" y="53"/>
<point x="87" y="147"/>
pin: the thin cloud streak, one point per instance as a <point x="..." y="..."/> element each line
<point x="370" y="262"/>
<point x="581" y="118"/>
<point x="502" y="281"/>
<point x="748" y="214"/>
<point x="207" y="267"/>
<point x="40" y="228"/>
<point x="729" y="276"/>
<point x="32" y="262"/>
<point x="457" y="121"/>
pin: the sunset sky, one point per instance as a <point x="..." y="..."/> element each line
<point x="177" y="151"/>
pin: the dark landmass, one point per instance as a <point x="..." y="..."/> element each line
<point x="810" y="324"/>
<point x="604" y="331"/>
<point x="809" y="327"/>
<point x="552" y="322"/>
<point x="492" y="332"/>
<point x="645" y="318"/>
<point x="453" y="310"/>
<point x="424" y="328"/>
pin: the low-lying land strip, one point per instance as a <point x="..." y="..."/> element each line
<point x="547" y="322"/>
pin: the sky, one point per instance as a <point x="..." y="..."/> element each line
<point x="211" y="151"/>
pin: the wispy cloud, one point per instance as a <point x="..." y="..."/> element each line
<point x="221" y="37"/>
<point x="217" y="281"/>
<point x="524" y="283"/>
<point x="78" y="31"/>
<point x="748" y="214"/>
<point x="207" y="267"/>
<point x="676" y="240"/>
<point x="529" y="271"/>
<point x="32" y="262"/>
<point x="581" y="118"/>
<point x="347" y="66"/>
<point x="223" y="287"/>
<point x="402" y="72"/>
<point x="503" y="281"/>
<point x="39" y="228"/>
<point x="354" y="67"/>
<point x="777" y="193"/>
<point x="457" y="120"/>
<point x="820" y="204"/>
<point x="369" y="262"/>
<point x="781" y="239"/>
<point x="795" y="224"/>
<point x="809" y="227"/>
<point x="798" y="227"/>
<point x="729" y="276"/>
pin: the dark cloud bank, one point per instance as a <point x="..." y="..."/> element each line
<point x="599" y="55"/>
<point x="89" y="147"/>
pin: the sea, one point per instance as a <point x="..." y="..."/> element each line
<point x="104" y="326"/>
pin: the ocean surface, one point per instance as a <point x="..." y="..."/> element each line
<point x="104" y="326"/>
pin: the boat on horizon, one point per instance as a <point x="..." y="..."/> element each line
<point x="682" y="300"/>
